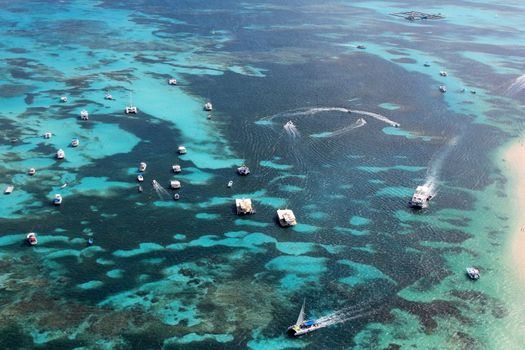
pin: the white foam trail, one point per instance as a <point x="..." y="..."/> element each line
<point x="436" y="164"/>
<point x="161" y="191"/>
<point x="291" y="129"/>
<point x="343" y="315"/>
<point x="517" y="86"/>
<point x="357" y="124"/>
<point x="316" y="110"/>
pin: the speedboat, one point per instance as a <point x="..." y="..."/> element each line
<point x="31" y="238"/>
<point x="208" y="106"/>
<point x="473" y="273"/>
<point x="84" y="115"/>
<point x="48" y="135"/>
<point x="140" y="188"/>
<point x="176" y="196"/>
<point x="362" y="47"/>
<point x="443" y="73"/>
<point x="182" y="150"/>
<point x="61" y="154"/>
<point x="63" y="99"/>
<point x="9" y="189"/>
<point x="176" y="168"/>
<point x="174" y="184"/>
<point x="230" y="183"/>
<point x="172" y="81"/>
<point x="108" y="96"/>
<point x="301" y="326"/>
<point x="286" y="217"/>
<point x="131" y="109"/>
<point x="58" y="199"/>
<point x="31" y="171"/>
<point x="140" y="178"/>
<point x="243" y="170"/>
<point x="420" y="197"/>
<point x="426" y="64"/>
<point x="443" y="88"/>
<point x="142" y="166"/>
<point x="75" y="142"/>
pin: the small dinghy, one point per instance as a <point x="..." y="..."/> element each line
<point x="140" y="188"/>
<point x="230" y="183"/>
<point x="140" y="178"/>
<point x="90" y="241"/>
<point x="176" y="196"/>
<point x="31" y="238"/>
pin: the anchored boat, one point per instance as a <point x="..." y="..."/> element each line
<point x="243" y="170"/>
<point x="31" y="171"/>
<point x="31" y="238"/>
<point x="176" y="168"/>
<point x="84" y="115"/>
<point x="182" y="150"/>
<point x="208" y="107"/>
<point x="230" y="183"/>
<point x="61" y="154"/>
<point x="301" y="326"/>
<point x="172" y="81"/>
<point x="244" y="206"/>
<point x="286" y="217"/>
<point x="58" y="199"/>
<point x="142" y="166"/>
<point x="75" y="142"/>
<point x="473" y="273"/>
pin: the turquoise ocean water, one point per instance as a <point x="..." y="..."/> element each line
<point x="190" y="274"/>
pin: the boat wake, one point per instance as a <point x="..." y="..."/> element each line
<point x="357" y="124"/>
<point x="161" y="191"/>
<point x="436" y="165"/>
<point x="517" y="86"/>
<point x="344" y="315"/>
<point x="317" y="110"/>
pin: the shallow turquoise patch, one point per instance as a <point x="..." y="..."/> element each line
<point x="359" y="220"/>
<point x="362" y="273"/>
<point x="90" y="285"/>
<point x="144" y="248"/>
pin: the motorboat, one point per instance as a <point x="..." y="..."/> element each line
<point x="58" y="199"/>
<point x="443" y="88"/>
<point x="131" y="109"/>
<point x="208" y="107"/>
<point x="90" y="241"/>
<point x="9" y="189"/>
<point x="31" y="171"/>
<point x="182" y="150"/>
<point x="443" y="73"/>
<point x="47" y="135"/>
<point x="176" y="168"/>
<point x="175" y="184"/>
<point x="208" y="117"/>
<point x="244" y="206"/>
<point x="84" y="115"/>
<point x="108" y="96"/>
<point x="243" y="170"/>
<point x="362" y="47"/>
<point x="142" y="166"/>
<point x="140" y="178"/>
<point x="426" y="64"/>
<point x="31" y="238"/>
<point x="230" y="183"/>
<point x="172" y="81"/>
<point x="75" y="142"/>
<point x="473" y="273"/>
<point x="176" y="196"/>
<point x="61" y="154"/>
<point x="140" y="189"/>
<point x="301" y="326"/>
<point x="286" y="217"/>
<point x="420" y="197"/>
<point x="63" y="99"/>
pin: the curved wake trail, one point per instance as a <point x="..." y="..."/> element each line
<point x="316" y="110"/>
<point x="357" y="124"/>
<point x="517" y="86"/>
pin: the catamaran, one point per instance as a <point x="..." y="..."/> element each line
<point x="302" y="327"/>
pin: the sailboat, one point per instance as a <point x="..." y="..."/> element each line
<point x="301" y="326"/>
<point x="131" y="108"/>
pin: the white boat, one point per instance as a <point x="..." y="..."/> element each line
<point x="182" y="150"/>
<point x="58" y="199"/>
<point x="230" y="183"/>
<point x="286" y="217"/>
<point x="84" y="115"/>
<point x="244" y="206"/>
<point x="142" y="166"/>
<point x="31" y="171"/>
<point x="443" y="73"/>
<point x="47" y="135"/>
<point x="208" y="106"/>
<point x="131" y="109"/>
<point x="175" y="184"/>
<point x="108" y="96"/>
<point x="75" y="142"/>
<point x="140" y="178"/>
<point x="63" y="99"/>
<point x="172" y="81"/>
<point x="176" y="168"/>
<point x="64" y="185"/>
<point x="420" y="198"/>
<point x="176" y="196"/>
<point x="61" y="154"/>
<point x="443" y="88"/>
<point x="243" y="170"/>
<point x="473" y="273"/>
<point x="31" y="238"/>
<point x="301" y="326"/>
<point x="9" y="189"/>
